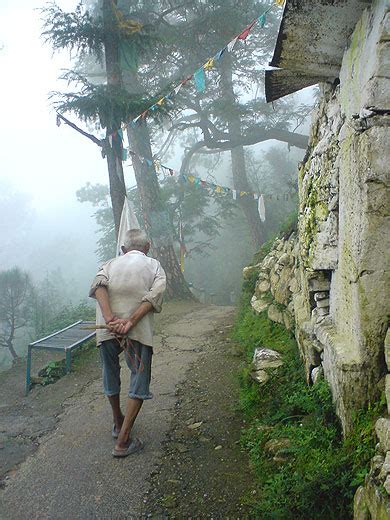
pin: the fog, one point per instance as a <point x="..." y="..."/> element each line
<point x="43" y="228"/>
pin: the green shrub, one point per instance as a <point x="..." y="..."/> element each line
<point x="319" y="472"/>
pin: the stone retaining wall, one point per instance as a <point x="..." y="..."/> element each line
<point x="329" y="281"/>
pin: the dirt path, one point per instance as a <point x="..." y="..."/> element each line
<point x="72" y="474"/>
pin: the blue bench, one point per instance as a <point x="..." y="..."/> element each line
<point x="64" y="340"/>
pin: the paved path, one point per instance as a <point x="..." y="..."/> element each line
<point x="72" y="475"/>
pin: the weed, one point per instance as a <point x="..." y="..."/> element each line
<point x="317" y="475"/>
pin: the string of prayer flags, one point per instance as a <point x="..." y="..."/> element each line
<point x="199" y="75"/>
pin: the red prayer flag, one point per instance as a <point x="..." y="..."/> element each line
<point x="246" y="31"/>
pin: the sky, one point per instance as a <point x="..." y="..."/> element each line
<point x="39" y="161"/>
<point x="37" y="157"/>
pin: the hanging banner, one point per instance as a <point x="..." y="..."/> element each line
<point x="261" y="208"/>
<point x="128" y="221"/>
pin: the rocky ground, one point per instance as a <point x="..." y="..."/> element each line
<point x="58" y="445"/>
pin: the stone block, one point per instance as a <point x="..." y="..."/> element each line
<point x="387" y="349"/>
<point x="258" y="305"/>
<point x="274" y="314"/>
<point x="360" y="510"/>
<point x="294" y="286"/>
<point x="385" y="470"/>
<point x="263" y="286"/>
<point x="260" y="376"/>
<point x="323" y="303"/>
<point x="319" y="284"/>
<point x="262" y="355"/>
<point x="321" y="296"/>
<point x="288" y="320"/>
<point x="317" y="374"/>
<point x="286" y="259"/>
<point x="382" y="429"/>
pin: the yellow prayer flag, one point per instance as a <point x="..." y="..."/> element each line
<point x="160" y="101"/>
<point x="191" y="178"/>
<point x="218" y="189"/>
<point x="209" y="64"/>
<point x="280" y="3"/>
<point x="243" y="193"/>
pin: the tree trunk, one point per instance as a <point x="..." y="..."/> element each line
<point x="114" y="78"/>
<point x="155" y="216"/>
<point x="240" y="179"/>
<point x="12" y="350"/>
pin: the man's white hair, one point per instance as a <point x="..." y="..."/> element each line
<point x="136" y="239"/>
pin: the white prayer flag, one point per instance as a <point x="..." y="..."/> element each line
<point x="231" y="44"/>
<point x="178" y="88"/>
<point x="261" y="208"/>
<point x="234" y="194"/>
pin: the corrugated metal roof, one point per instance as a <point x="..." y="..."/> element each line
<point x="312" y="38"/>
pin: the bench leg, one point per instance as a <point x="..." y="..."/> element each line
<point x="28" y="370"/>
<point x="68" y="361"/>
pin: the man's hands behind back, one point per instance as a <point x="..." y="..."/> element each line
<point x="121" y="325"/>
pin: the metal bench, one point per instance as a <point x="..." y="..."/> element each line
<point x="67" y="340"/>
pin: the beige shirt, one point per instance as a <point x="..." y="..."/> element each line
<point x="130" y="280"/>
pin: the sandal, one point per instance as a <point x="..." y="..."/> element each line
<point x="134" y="446"/>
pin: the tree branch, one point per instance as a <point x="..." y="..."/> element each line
<point x="91" y="137"/>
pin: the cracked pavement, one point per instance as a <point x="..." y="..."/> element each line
<point x="69" y="472"/>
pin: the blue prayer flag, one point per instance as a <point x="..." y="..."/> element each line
<point x="200" y="80"/>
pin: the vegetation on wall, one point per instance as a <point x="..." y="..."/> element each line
<point x="316" y="472"/>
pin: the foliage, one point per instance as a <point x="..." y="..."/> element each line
<point x="54" y="370"/>
<point x="76" y="31"/>
<point x="316" y="477"/>
<point x="17" y="290"/>
<point x="98" y="196"/>
<point x="108" y="105"/>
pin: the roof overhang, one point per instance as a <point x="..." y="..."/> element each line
<point x="312" y="38"/>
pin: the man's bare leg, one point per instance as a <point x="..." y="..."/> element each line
<point x="116" y="411"/>
<point x="132" y="410"/>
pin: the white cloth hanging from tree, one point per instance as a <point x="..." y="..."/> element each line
<point x="128" y="221"/>
<point x="261" y="208"/>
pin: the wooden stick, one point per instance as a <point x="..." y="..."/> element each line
<point x="94" y="327"/>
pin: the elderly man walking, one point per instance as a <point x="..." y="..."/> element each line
<point x="129" y="289"/>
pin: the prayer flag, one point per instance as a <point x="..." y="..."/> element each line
<point x="255" y="196"/>
<point x="218" y="189"/>
<point x="234" y="194"/>
<point x="191" y="178"/>
<point x="280" y="3"/>
<point x="58" y="120"/>
<point x="245" y="32"/>
<point x="231" y="44"/>
<point x="160" y="101"/>
<point x="261" y="208"/>
<point x="178" y="88"/>
<point x="218" y="56"/>
<point x="200" y="80"/>
<point x="262" y="20"/>
<point x="124" y="154"/>
<point x="209" y="64"/>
